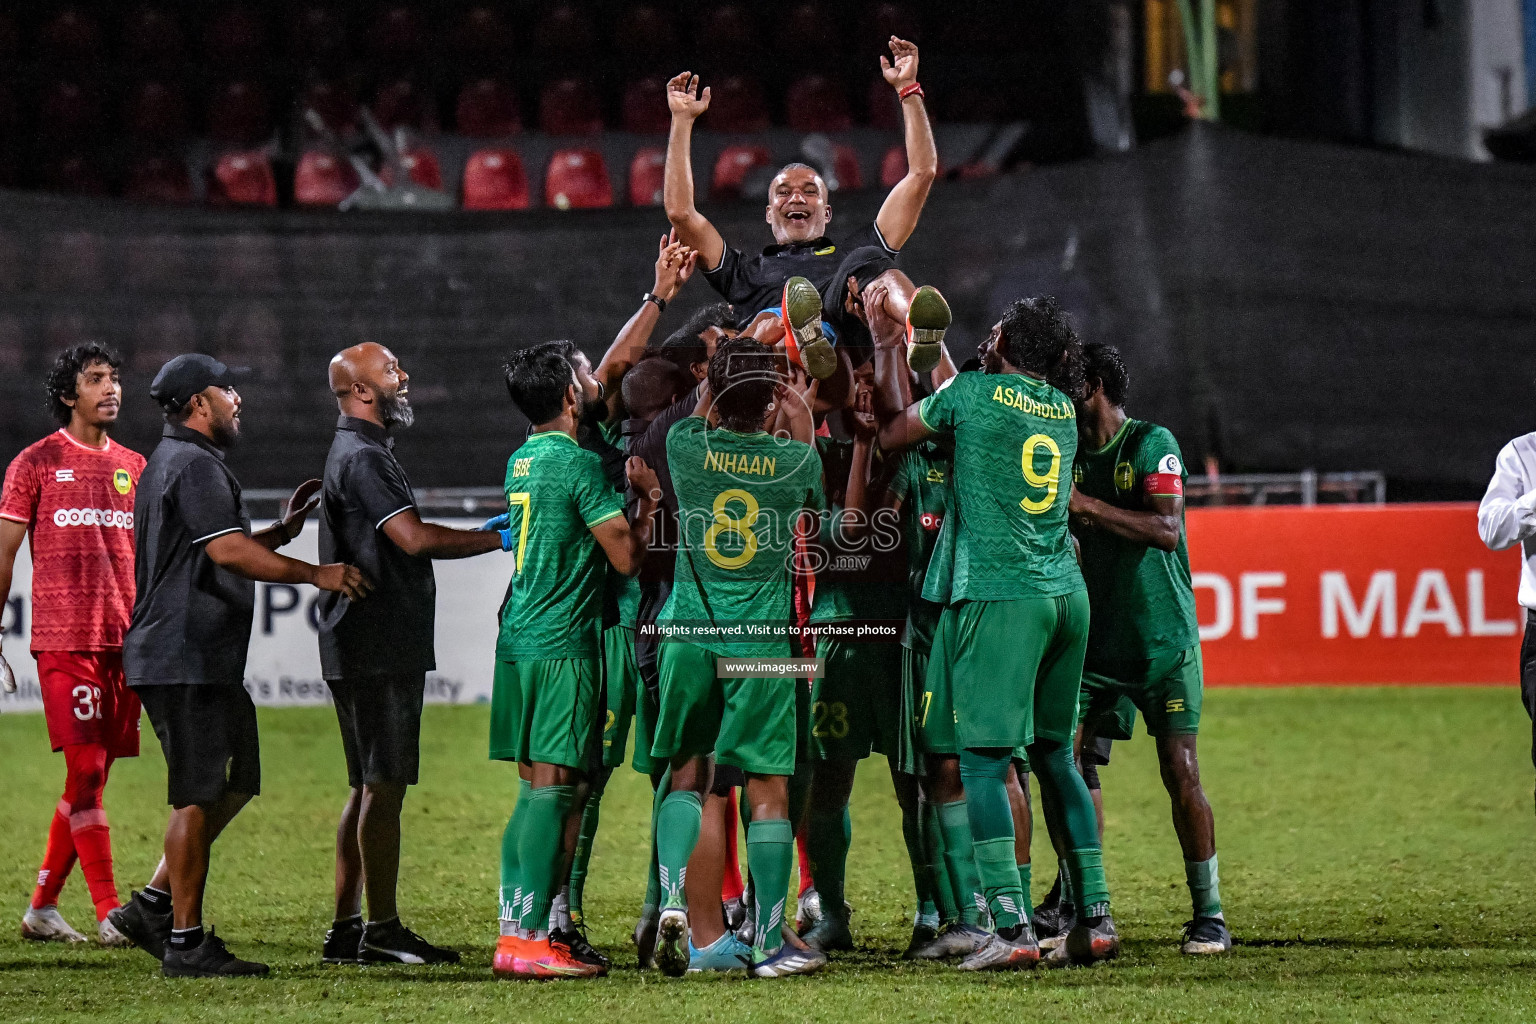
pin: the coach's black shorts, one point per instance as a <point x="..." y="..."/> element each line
<point x="863" y="264"/>
<point x="208" y="734"/>
<point x="380" y="718"/>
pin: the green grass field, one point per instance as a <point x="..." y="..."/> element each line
<point x="1376" y="859"/>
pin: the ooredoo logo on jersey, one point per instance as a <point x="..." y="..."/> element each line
<point x="93" y="517"/>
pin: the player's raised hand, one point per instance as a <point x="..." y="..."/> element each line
<point x="767" y="328"/>
<point x="642" y="478"/>
<point x="7" y="677"/>
<point x="685" y="100"/>
<point x="674" y="265"/>
<point x="347" y="580"/>
<point x="862" y="413"/>
<point x="875" y="312"/>
<point x="903" y="72"/>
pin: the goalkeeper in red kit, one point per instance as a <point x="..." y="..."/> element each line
<point x="73" y="493"/>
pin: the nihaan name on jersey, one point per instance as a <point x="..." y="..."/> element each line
<point x="730" y="462"/>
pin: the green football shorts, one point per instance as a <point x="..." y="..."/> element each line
<point x="628" y="702"/>
<point x="910" y="753"/>
<point x="1167" y="688"/>
<point x="749" y="723"/>
<point x="1005" y="673"/>
<point x="546" y="711"/>
<point x="856" y="704"/>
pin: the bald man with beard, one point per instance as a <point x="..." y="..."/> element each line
<point x="375" y="655"/>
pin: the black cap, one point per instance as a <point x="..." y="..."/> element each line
<point x="186" y="375"/>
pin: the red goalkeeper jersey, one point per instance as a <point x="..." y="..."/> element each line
<point x="77" y="504"/>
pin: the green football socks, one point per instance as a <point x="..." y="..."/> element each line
<point x="1069" y="810"/>
<point x="984" y="773"/>
<point x="827" y="839"/>
<point x="770" y="855"/>
<point x="918" y="858"/>
<point x="511" y="878"/>
<point x="960" y="862"/>
<point x="583" y="853"/>
<point x="933" y="851"/>
<point x="539" y="850"/>
<point x="1204" y="887"/>
<point x="652" y="881"/>
<point x="1024" y="886"/>
<point x="677" y="833"/>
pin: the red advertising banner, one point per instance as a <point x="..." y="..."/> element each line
<point x="1353" y="594"/>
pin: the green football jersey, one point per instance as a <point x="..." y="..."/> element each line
<point x="922" y="481"/>
<point x="556" y="493"/>
<point x="624" y="590"/>
<point x="738" y="498"/>
<point x="1143" y="601"/>
<point x="859" y="580"/>
<point x="1015" y="441"/>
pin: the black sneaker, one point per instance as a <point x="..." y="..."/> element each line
<point x="1088" y="942"/>
<point x="343" y="942"/>
<point x="210" y="959"/>
<point x="575" y="940"/>
<point x="145" y="928"/>
<point x="390" y="942"/>
<point x="1205" y="936"/>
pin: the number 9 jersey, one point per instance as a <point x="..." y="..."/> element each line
<point x="1015" y="442"/>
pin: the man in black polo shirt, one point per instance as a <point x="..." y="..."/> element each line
<point x="184" y="653"/>
<point x="798" y="213"/>
<point x="375" y="655"/>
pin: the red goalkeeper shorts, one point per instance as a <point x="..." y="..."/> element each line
<point x="87" y="700"/>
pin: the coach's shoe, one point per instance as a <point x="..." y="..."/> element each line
<point x="672" y="942"/>
<point x="735" y="913"/>
<point x="1088" y="942"/>
<point x="575" y="942"/>
<point x="145" y="927"/>
<point x="1206" y="935"/>
<point x="1006" y="950"/>
<point x="390" y="942"/>
<point x="644" y="938"/>
<point x="1053" y="928"/>
<point x="210" y="959"/>
<point x="725" y="955"/>
<point x="343" y="942"/>
<point x="928" y="317"/>
<point x="807" y="910"/>
<point x="537" y="958"/>
<point x="923" y="932"/>
<point x="46" y="924"/>
<point x="787" y="960"/>
<point x="830" y="934"/>
<point x="109" y="936"/>
<point x="958" y="939"/>
<point x="803" y="336"/>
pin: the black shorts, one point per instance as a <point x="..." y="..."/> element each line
<point x="863" y="264"/>
<point x="208" y="734"/>
<point x="380" y="718"/>
<point x="1528" y="675"/>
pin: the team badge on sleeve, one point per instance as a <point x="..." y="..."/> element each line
<point x="1170" y="464"/>
<point x="1168" y="481"/>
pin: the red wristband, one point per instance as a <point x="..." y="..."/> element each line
<point x="915" y="88"/>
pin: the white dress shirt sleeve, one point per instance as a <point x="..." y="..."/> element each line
<point x="1507" y="514"/>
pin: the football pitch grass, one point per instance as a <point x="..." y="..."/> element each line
<point x="1376" y="847"/>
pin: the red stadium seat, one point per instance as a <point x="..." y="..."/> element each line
<point x="73" y="36"/>
<point x="845" y="166"/>
<point x="577" y="179"/>
<point x="322" y="180"/>
<point x="731" y="169"/>
<point x="566" y="29"/>
<point x="479" y="33"/>
<point x="421" y="165"/>
<point x="736" y="104"/>
<point x="335" y="104"/>
<point x="806" y="28"/>
<point x="494" y="179"/>
<point x="242" y="179"/>
<point x="644" y="31"/>
<point x="645" y="107"/>
<point x="317" y="34"/>
<point x="156" y="111"/>
<point x="647" y="172"/>
<point x="398" y="34"/>
<point x="726" y="29"/>
<point x="239" y="114"/>
<point x="69" y="112"/>
<point x="884" y="106"/>
<point x="401" y="104"/>
<point x="817" y="103"/>
<point x="894" y="166"/>
<point x="570" y="106"/>
<point x="77" y="175"/>
<point x="487" y="109"/>
<point x="159" y="180"/>
<point x="236" y="37"/>
<point x="152" y="37"/>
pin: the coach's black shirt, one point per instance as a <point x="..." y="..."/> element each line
<point x="391" y="631"/>
<point x="755" y="283"/>
<point x="191" y="618"/>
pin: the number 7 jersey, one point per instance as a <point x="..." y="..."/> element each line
<point x="739" y="497"/>
<point x="1015" y="442"/>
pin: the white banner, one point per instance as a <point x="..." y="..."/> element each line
<point x="283" y="667"/>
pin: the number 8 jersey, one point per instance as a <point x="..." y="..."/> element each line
<point x="1015" y="442"/>
<point x="739" y="497"/>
